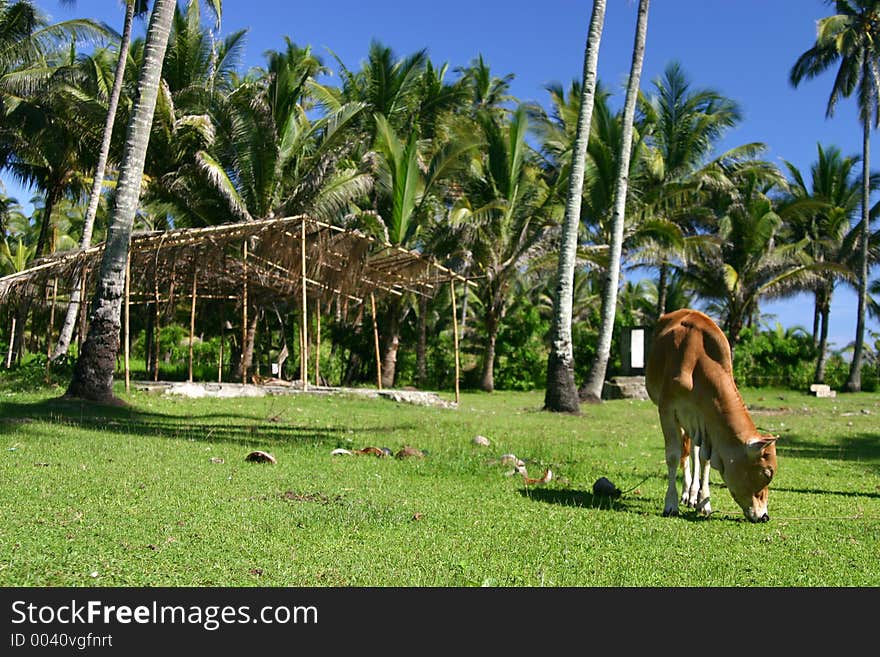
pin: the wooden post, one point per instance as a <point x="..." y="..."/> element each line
<point x="376" y="342"/>
<point x="244" y="312"/>
<point x="51" y="322"/>
<point x="156" y="328"/>
<point x="318" y="347"/>
<point x="11" y="340"/>
<point x="84" y="308"/>
<point x="127" y="347"/>
<point x="304" y="352"/>
<point x="192" y="322"/>
<point x="220" y="363"/>
<point x="455" y="337"/>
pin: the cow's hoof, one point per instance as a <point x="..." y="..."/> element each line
<point x="670" y="512"/>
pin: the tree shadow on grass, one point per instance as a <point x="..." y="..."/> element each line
<point x="863" y="448"/>
<point x="211" y="427"/>
<point x="821" y="491"/>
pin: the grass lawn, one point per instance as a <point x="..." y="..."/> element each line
<point x="93" y="496"/>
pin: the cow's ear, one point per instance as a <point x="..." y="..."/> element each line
<point x="756" y="446"/>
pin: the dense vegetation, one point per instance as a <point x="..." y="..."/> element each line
<point x="442" y="161"/>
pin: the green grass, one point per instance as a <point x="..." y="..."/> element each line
<point x="130" y="497"/>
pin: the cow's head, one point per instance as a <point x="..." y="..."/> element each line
<point x="748" y="480"/>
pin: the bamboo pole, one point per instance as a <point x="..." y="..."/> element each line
<point x="318" y="348"/>
<point x="455" y="339"/>
<point x="51" y="322"/>
<point x="156" y="328"/>
<point x="304" y="352"/>
<point x="80" y="338"/>
<point x="127" y="347"/>
<point x="376" y="342"/>
<point x="11" y="340"/>
<point x="220" y="363"/>
<point x="192" y="322"/>
<point x="244" y="312"/>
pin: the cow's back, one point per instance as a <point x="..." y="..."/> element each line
<point x="681" y="338"/>
<point x="690" y="361"/>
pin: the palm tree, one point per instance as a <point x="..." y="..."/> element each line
<point x="412" y="191"/>
<point x="749" y="259"/>
<point x="609" y="301"/>
<point x="132" y="9"/>
<point x="93" y="374"/>
<point x="269" y="158"/>
<point x="502" y="220"/>
<point x="829" y="231"/>
<point x="487" y="92"/>
<point x="561" y="394"/>
<point x="851" y="37"/>
<point x="681" y="126"/>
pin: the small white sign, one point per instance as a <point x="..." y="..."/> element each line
<point x="637" y="348"/>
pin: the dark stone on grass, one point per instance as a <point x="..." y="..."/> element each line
<point x="603" y="487"/>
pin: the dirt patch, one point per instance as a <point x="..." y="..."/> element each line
<point x="316" y="498"/>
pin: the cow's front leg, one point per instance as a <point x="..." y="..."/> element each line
<point x="672" y="437"/>
<point x="703" y="505"/>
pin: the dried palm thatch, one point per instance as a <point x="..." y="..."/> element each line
<point x="338" y="262"/>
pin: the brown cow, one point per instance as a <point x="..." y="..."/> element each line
<point x="689" y="377"/>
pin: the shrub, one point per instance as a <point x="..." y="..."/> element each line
<point x="778" y="358"/>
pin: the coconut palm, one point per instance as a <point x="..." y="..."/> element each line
<point x="93" y="374"/>
<point x="269" y="157"/>
<point x="830" y="232"/>
<point x="501" y="220"/>
<point x="561" y="394"/>
<point x="749" y="259"/>
<point x="609" y="301"/>
<point x="487" y="92"/>
<point x="132" y="9"/>
<point x="681" y="127"/>
<point x="411" y="186"/>
<point x="850" y="40"/>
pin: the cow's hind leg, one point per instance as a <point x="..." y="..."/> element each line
<point x="672" y="438"/>
<point x="693" y="490"/>
<point x="685" y="466"/>
<point x="703" y="505"/>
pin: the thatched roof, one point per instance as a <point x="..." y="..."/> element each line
<point x="339" y="262"/>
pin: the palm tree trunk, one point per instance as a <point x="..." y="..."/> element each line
<point x="561" y="394"/>
<point x="93" y="374"/>
<point x="88" y="226"/>
<point x="247" y="355"/>
<point x="854" y="381"/>
<point x="52" y="196"/>
<point x="662" y="284"/>
<point x="824" y="313"/>
<point x="391" y="345"/>
<point x="817" y="316"/>
<point x="609" y="304"/>
<point x="487" y="381"/>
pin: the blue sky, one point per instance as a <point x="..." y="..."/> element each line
<point x="743" y="49"/>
